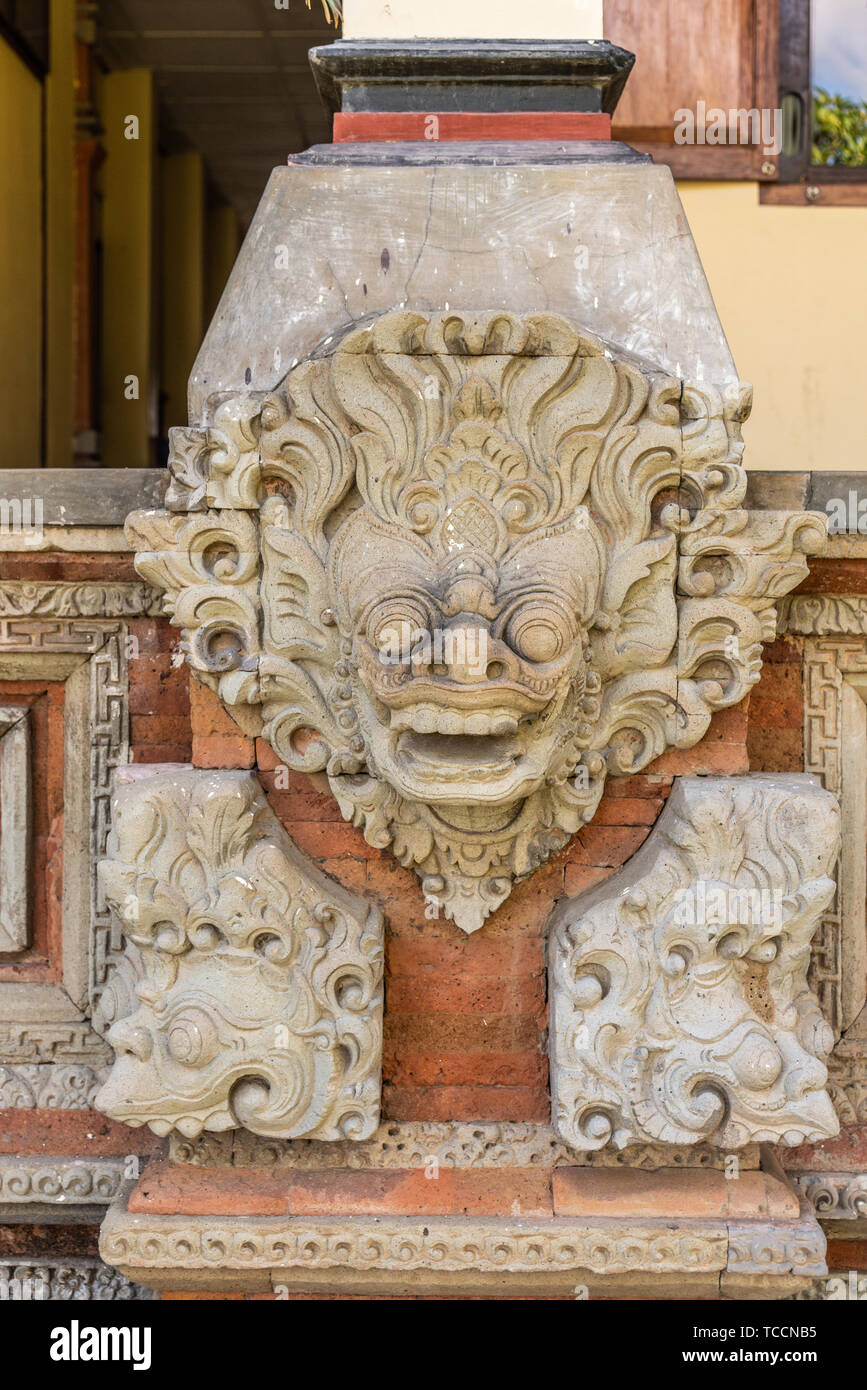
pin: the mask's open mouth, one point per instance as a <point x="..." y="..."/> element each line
<point x="454" y="757"/>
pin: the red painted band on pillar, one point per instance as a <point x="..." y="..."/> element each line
<point x="471" y="125"/>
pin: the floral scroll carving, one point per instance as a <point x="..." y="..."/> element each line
<point x="250" y="992"/>
<point x="681" y="1010"/>
<point x="572" y="514"/>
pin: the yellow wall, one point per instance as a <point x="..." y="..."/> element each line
<point x="790" y="285"/>
<point x="20" y="263"/>
<point x="182" y="251"/>
<point x="222" y="242"/>
<point x="128" y="331"/>
<point x="60" y="239"/>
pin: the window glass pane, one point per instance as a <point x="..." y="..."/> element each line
<point x="838" y="55"/>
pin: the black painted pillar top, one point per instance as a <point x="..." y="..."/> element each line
<point x="482" y="75"/>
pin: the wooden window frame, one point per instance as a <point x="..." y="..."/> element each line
<point x="722" y="162"/>
<point x="799" y="182"/>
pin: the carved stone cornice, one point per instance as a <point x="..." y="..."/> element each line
<point x="412" y="1144"/>
<point x="35" y="1041"/>
<point x="24" y="598"/>
<point x="510" y="480"/>
<point x="822" y="615"/>
<point x="64" y="1181"/>
<point x="834" y="1196"/>
<point x="53" y="1085"/>
<point x="408" y="1245"/>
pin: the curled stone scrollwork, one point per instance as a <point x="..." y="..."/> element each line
<point x="253" y="993"/>
<point x="681" y="1009"/>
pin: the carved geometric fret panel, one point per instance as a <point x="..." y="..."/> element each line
<point x="834" y="627"/>
<point x="835" y="750"/>
<point x="50" y="1054"/>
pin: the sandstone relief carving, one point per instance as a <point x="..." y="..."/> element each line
<point x="467" y="566"/>
<point x="250" y="992"/>
<point x="50" y="1054"/>
<point x="680" y="1008"/>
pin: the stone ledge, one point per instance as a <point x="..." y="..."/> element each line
<point x="31" y="1185"/>
<point x="504" y="1257"/>
<point x="86" y="496"/>
<point x="103" y="497"/>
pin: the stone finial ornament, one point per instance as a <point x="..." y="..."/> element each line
<point x="251" y="988"/>
<point x="467" y="565"/>
<point x="680" y="1005"/>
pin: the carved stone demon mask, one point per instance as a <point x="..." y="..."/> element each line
<point x="466" y="566"/>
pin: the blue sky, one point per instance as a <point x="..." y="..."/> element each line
<point x="839" y="44"/>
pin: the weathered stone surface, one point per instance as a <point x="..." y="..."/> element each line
<point x="835" y="1196"/>
<point x="74" y="497"/>
<point x="49" y="1085"/>
<point x="54" y="1181"/>
<point x="412" y="1145"/>
<point x="330" y="246"/>
<point x="679" y="1000"/>
<point x="152" y="1245"/>
<point x="250" y="991"/>
<point x="499" y="559"/>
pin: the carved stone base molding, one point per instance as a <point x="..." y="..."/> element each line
<point x="680" y="1004"/>
<point x="386" y="1256"/>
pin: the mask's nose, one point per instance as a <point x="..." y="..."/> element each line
<point x="129" y="1040"/>
<point x="468" y="655"/>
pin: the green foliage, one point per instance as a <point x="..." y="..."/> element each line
<point x="333" y="10"/>
<point x="839" y="129"/>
